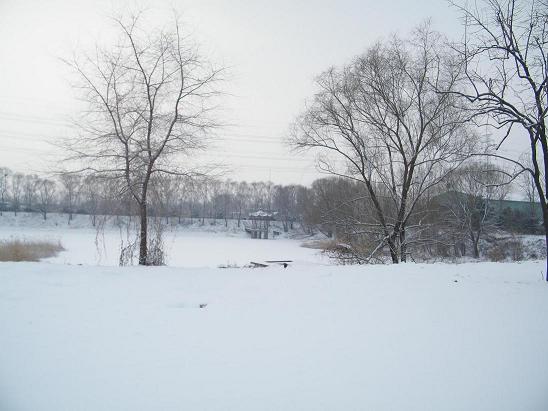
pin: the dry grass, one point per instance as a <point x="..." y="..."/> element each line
<point x="318" y="244"/>
<point x="22" y="250"/>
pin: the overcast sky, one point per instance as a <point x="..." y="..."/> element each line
<point x="274" y="49"/>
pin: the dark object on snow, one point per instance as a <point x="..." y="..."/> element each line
<point x="279" y="261"/>
<point x="285" y="263"/>
<point x="203" y="305"/>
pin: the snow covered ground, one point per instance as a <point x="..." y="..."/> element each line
<point x="186" y="246"/>
<point x="409" y="337"/>
<point x="310" y="337"/>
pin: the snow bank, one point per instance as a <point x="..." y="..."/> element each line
<point x="408" y="337"/>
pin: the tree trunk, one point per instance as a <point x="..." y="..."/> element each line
<point x="546" y="240"/>
<point x="545" y="221"/>
<point x="203" y="213"/>
<point x="475" y="244"/>
<point x="403" y="246"/>
<point x="143" y="251"/>
<point x="393" y="251"/>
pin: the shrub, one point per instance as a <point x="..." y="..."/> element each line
<point x="515" y="249"/>
<point x="511" y="249"/>
<point x="22" y="250"/>
<point x="497" y="253"/>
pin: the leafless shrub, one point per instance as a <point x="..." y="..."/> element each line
<point x="510" y="249"/>
<point x="497" y="253"/>
<point x="156" y="253"/>
<point x="352" y="253"/>
<point x="515" y="250"/>
<point x="127" y="253"/>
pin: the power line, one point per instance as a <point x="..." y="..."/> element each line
<point x="36" y="120"/>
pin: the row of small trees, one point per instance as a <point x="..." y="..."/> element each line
<point x="454" y="219"/>
<point x="170" y="196"/>
<point x="20" y="191"/>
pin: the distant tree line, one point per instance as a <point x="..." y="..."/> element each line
<point x="452" y="219"/>
<point x="171" y="197"/>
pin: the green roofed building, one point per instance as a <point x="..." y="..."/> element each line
<point x="512" y="215"/>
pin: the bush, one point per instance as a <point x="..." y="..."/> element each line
<point x="354" y="252"/>
<point x="503" y="250"/>
<point x="497" y="253"/>
<point x="515" y="249"/>
<point x="20" y="250"/>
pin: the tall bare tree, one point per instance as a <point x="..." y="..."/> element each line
<point x="381" y="121"/>
<point x="506" y="66"/>
<point x="149" y="96"/>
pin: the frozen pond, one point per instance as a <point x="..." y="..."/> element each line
<point x="184" y="248"/>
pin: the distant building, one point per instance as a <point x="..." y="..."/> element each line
<point x="511" y="215"/>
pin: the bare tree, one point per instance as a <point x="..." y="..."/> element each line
<point x="325" y="210"/>
<point x="149" y="98"/>
<point x="17" y="181"/>
<point x="506" y="66"/>
<point x="30" y="186"/>
<point x="202" y="190"/>
<point x="240" y="192"/>
<point x="469" y="205"/>
<point x="381" y="121"/>
<point x="71" y="185"/>
<point x="164" y="192"/>
<point x="4" y="174"/>
<point x="91" y="192"/>
<point x="226" y="200"/>
<point x="46" y="196"/>
<point x="184" y="197"/>
<point x="284" y="202"/>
